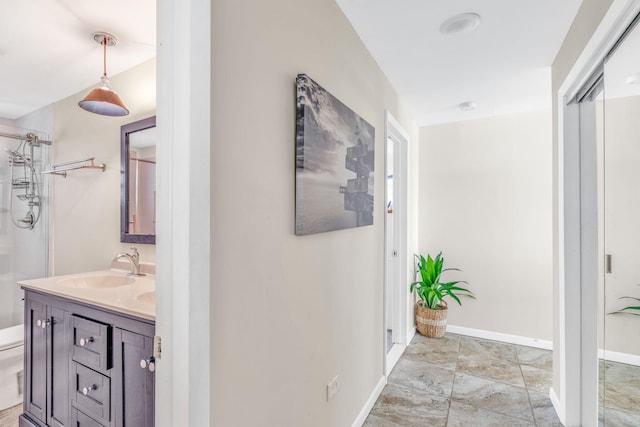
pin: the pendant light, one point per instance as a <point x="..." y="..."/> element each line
<point x="104" y="100"/>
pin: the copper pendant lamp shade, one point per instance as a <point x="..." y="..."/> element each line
<point x="104" y="100"/>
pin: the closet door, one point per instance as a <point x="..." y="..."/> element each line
<point x="620" y="348"/>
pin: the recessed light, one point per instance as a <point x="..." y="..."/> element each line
<point x="468" y="106"/>
<point x="633" y="79"/>
<point x="458" y="24"/>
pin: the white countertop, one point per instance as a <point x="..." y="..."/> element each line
<point x="123" y="299"/>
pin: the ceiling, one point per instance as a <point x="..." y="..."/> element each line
<point x="47" y="52"/>
<point x="504" y="66"/>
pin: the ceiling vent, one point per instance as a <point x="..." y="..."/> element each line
<point x="468" y="106"/>
<point x="463" y="23"/>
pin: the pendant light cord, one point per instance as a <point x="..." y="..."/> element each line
<point x="104" y="60"/>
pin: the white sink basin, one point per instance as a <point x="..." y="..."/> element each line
<point x="147" y="297"/>
<point x="95" y="281"/>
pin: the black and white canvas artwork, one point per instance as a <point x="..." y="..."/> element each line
<point x="334" y="162"/>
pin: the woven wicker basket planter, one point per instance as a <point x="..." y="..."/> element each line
<point x="431" y="323"/>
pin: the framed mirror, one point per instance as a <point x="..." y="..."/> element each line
<point x="138" y="182"/>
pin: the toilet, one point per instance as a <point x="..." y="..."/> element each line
<point x="11" y="366"/>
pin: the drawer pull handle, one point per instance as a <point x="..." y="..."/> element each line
<point x="85" y="341"/>
<point x="87" y="390"/>
<point x="148" y="363"/>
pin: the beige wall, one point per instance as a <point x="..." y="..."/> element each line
<point x="288" y="313"/>
<point x="584" y="25"/>
<point x="485" y="198"/>
<point x="86" y="205"/>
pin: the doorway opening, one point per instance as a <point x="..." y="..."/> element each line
<point x="396" y="287"/>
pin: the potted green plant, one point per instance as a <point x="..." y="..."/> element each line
<point x="431" y="309"/>
<point x="631" y="309"/>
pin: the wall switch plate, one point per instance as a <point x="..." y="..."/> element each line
<point x="332" y="388"/>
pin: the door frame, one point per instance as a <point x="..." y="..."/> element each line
<point x="576" y="245"/>
<point x="183" y="249"/>
<point x="400" y="297"/>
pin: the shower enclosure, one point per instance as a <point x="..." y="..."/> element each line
<point x="24" y="216"/>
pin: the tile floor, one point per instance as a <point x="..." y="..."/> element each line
<point x="621" y="395"/>
<point x="9" y="417"/>
<point x="464" y="381"/>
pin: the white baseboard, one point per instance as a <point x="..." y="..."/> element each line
<point x="364" y="413"/>
<point x="412" y="333"/>
<point x="614" y="356"/>
<point x="557" y="406"/>
<point x="393" y="356"/>
<point x="497" y="336"/>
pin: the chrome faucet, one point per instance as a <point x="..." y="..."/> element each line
<point x="134" y="262"/>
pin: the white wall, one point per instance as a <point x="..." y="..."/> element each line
<point x="86" y="204"/>
<point x="485" y="202"/>
<point x="289" y="313"/>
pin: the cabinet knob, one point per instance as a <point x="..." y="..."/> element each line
<point x="43" y="323"/>
<point x="85" y="341"/>
<point x="87" y="390"/>
<point x="148" y="363"/>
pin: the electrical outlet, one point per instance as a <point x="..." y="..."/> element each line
<point x="332" y="388"/>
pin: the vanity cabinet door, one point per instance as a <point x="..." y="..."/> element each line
<point x="46" y="362"/>
<point x="35" y="396"/>
<point x="134" y="379"/>
<point x="58" y="371"/>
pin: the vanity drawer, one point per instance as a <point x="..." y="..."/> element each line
<point x="91" y="392"/>
<point x="79" y="419"/>
<point x="91" y="343"/>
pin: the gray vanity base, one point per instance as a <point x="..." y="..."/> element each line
<point x="84" y="365"/>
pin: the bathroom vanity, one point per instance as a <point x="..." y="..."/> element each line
<point x="89" y="351"/>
